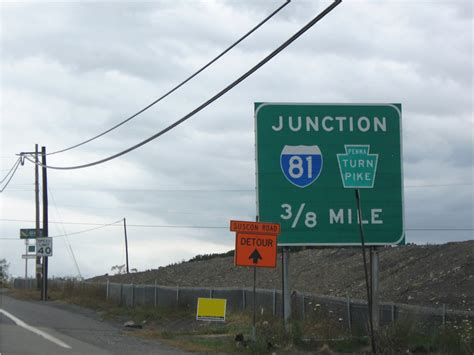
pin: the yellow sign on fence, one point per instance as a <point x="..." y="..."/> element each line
<point x="211" y="309"/>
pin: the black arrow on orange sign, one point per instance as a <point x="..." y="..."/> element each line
<point x="255" y="256"/>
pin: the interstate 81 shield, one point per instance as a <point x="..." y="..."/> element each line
<point x="301" y="164"/>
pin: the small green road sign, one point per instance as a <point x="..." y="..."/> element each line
<point x="309" y="159"/>
<point x="30" y="233"/>
<point x="357" y="166"/>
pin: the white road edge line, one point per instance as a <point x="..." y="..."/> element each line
<point x="45" y="335"/>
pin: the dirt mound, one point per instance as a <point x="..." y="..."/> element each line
<point x="426" y="275"/>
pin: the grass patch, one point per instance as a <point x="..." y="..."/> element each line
<point x="403" y="335"/>
<point x="178" y="328"/>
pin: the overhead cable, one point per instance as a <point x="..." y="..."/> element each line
<point x="227" y="227"/>
<point x="205" y="104"/>
<point x="66" y="239"/>
<point x="119" y="224"/>
<point x="204" y="190"/>
<point x="179" y="85"/>
<point x="10" y="170"/>
<point x="11" y="173"/>
<point x="87" y="230"/>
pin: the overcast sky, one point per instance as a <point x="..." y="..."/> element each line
<point x="70" y="70"/>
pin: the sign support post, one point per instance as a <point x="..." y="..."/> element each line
<point x="254" y="320"/>
<point x="26" y="264"/>
<point x="375" y="289"/>
<point x="367" y="281"/>
<point x="286" y="288"/>
<point x="126" y="242"/>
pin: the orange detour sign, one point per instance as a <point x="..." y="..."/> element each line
<point x="255" y="227"/>
<point x="258" y="250"/>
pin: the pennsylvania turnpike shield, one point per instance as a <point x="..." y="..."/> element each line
<point x="301" y="164"/>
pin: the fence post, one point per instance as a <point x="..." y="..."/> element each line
<point x="155" y="298"/>
<point x="177" y="296"/>
<point x="210" y="292"/>
<point x="393" y="312"/>
<point x="133" y="295"/>
<point x="444" y="314"/>
<point x="274" y="302"/>
<point x="349" y="314"/>
<point x="375" y="289"/>
<point x="121" y="295"/>
<point x="107" y="291"/>
<point x="302" y="306"/>
<point x="244" y="305"/>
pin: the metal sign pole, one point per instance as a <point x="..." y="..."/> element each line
<point x="286" y="288"/>
<point x="283" y="286"/>
<point x="254" y="329"/>
<point x="126" y="242"/>
<point x="369" y="291"/>
<point x="26" y="264"/>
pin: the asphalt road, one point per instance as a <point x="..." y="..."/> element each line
<point x="34" y="327"/>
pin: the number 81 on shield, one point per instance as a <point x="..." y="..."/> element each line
<point x="301" y="164"/>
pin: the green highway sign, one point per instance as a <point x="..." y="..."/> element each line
<point x="311" y="157"/>
<point x="30" y="233"/>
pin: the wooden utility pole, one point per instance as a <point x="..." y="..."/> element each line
<point x="44" y="291"/>
<point x="37" y="218"/>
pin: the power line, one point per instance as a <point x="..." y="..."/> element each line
<point x="87" y="230"/>
<point x="66" y="239"/>
<point x="151" y="189"/>
<point x="78" y="232"/>
<point x="227" y="227"/>
<point x="205" y="104"/>
<point x="10" y="170"/>
<point x="11" y="173"/>
<point x="115" y="224"/>
<point x="144" y="189"/>
<point x="179" y="85"/>
<point x="55" y="222"/>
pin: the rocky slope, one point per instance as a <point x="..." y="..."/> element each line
<point x="427" y="275"/>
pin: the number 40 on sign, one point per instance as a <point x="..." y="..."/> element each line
<point x="44" y="247"/>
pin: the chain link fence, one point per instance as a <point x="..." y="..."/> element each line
<point x="348" y="312"/>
